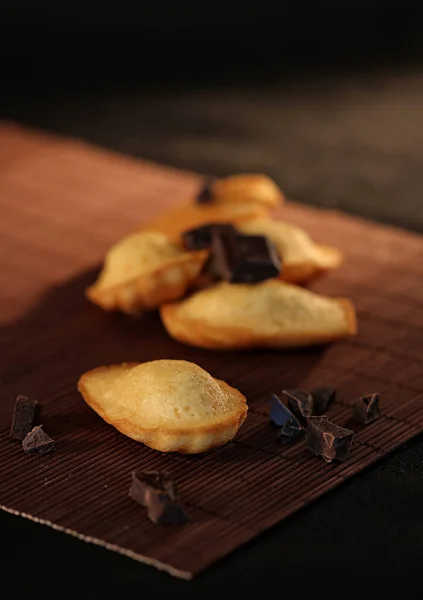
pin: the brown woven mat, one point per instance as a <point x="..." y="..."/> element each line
<point x="62" y="203"/>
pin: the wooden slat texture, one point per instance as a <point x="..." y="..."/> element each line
<point x="62" y="203"/>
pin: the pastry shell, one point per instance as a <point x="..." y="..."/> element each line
<point x="169" y="405"/>
<point x="142" y="271"/>
<point x="272" y="314"/>
<point x="191" y="215"/>
<point x="302" y="258"/>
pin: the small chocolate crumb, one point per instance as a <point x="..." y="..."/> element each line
<point x="38" y="442"/>
<point x="290" y="428"/>
<point x="328" y="440"/>
<point x="23" y="417"/>
<point x="156" y="491"/>
<point x="205" y="194"/>
<point x="200" y="238"/>
<point x="300" y="402"/>
<point x="366" y="409"/>
<point x="322" y="398"/>
<point x="245" y="258"/>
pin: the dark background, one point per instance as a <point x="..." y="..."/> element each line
<point x="325" y="97"/>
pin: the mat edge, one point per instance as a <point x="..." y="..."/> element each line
<point x="185" y="575"/>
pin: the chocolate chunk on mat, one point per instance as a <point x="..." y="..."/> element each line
<point x="38" y="442"/>
<point x="328" y="440"/>
<point x="23" y="417"/>
<point x="366" y="409"/>
<point x="245" y="258"/>
<point x="322" y="398"/>
<point x="300" y="402"/>
<point x="156" y="491"/>
<point x="290" y="429"/>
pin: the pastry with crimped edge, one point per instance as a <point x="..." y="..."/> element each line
<point x="252" y="188"/>
<point x="272" y="314"/>
<point x="169" y="405"/>
<point x="142" y="271"/>
<point x="303" y="259"/>
<point x="190" y="215"/>
<point x="232" y="199"/>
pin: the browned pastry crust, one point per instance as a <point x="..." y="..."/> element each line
<point x="169" y="405"/>
<point x="272" y="314"/>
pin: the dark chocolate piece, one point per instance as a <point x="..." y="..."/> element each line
<point x="245" y="258"/>
<point x="290" y="428"/>
<point x="200" y="238"/>
<point x="322" y="398"/>
<point x="156" y="491"/>
<point x="23" y="417"/>
<point x="38" y="442"/>
<point x="300" y="402"/>
<point x="366" y="409"/>
<point x="205" y="194"/>
<point x="328" y="440"/>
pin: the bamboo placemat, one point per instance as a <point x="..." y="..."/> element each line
<point x="62" y="203"/>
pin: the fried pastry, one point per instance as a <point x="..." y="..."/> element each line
<point x="169" y="405"/>
<point x="270" y="314"/>
<point x="190" y="215"/>
<point x="247" y="189"/>
<point x="302" y="258"/>
<point x="144" y="270"/>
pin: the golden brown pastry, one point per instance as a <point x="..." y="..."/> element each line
<point x="233" y="200"/>
<point x="302" y="258"/>
<point x="142" y="271"/>
<point x="190" y="215"/>
<point x="247" y="189"/>
<point x="169" y="405"/>
<point x="269" y="314"/>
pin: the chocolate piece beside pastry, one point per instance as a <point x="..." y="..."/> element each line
<point x="38" y="442"/>
<point x="245" y="258"/>
<point x="205" y="193"/>
<point x="200" y="238"/>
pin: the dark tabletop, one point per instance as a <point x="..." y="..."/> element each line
<point x="350" y="138"/>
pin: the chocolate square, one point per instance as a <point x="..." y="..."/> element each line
<point x="200" y="238"/>
<point x="328" y="440"/>
<point x="156" y="491"/>
<point x="300" y="402"/>
<point x="323" y="398"/>
<point x="245" y="258"/>
<point x="366" y="409"/>
<point x="38" y="442"/>
<point x="205" y="193"/>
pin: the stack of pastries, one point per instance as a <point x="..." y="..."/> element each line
<point x="224" y="275"/>
<point x="155" y="268"/>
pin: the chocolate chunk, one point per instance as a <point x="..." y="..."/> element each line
<point x="156" y="491"/>
<point x="300" y="402"/>
<point x="38" y="442"/>
<point x="366" y="409"/>
<point x="290" y="428"/>
<point x="205" y="194"/>
<point x="245" y="258"/>
<point x="200" y="238"/>
<point x="328" y="440"/>
<point x="322" y="398"/>
<point x="23" y="417"/>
